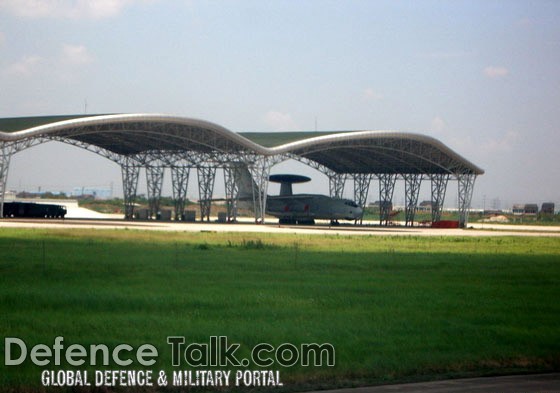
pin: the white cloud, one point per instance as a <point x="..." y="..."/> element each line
<point x="24" y="67"/>
<point x="495" y="71"/>
<point x="72" y="9"/>
<point x="505" y="143"/>
<point x="437" y="124"/>
<point x="2" y="38"/>
<point x="370" y="94"/>
<point x="76" y="55"/>
<point x="65" y="63"/>
<point x="280" y="121"/>
<point x="103" y="8"/>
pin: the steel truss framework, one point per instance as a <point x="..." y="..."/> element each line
<point x="206" y="178"/>
<point x="260" y="169"/>
<point x="361" y="188"/>
<point x="466" y="186"/>
<point x="180" y="182"/>
<point x="412" y="189"/>
<point x="386" y="189"/>
<point x="5" y="155"/>
<point x="232" y="193"/>
<point x="336" y="184"/>
<point x="154" y="181"/>
<point x="439" y="186"/>
<point x="156" y="142"/>
<point x="130" y="169"/>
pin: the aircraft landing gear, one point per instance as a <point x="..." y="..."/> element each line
<point x="293" y="221"/>
<point x="286" y="221"/>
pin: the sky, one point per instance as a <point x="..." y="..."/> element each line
<point x="483" y="77"/>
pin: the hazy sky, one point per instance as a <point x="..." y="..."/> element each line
<point x="481" y="76"/>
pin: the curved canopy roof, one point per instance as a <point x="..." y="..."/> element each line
<point x="342" y="152"/>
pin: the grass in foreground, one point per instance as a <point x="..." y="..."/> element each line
<point x="394" y="308"/>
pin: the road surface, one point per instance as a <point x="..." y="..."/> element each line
<point x="537" y="383"/>
<point x="275" y="228"/>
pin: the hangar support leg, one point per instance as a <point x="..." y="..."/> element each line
<point x="130" y="169"/>
<point x="466" y="186"/>
<point x="439" y="186"/>
<point x="180" y="180"/>
<point x="5" y="155"/>
<point x="7" y="150"/>
<point x="336" y="184"/>
<point x="206" y="178"/>
<point x="361" y="188"/>
<point x="412" y="188"/>
<point x="154" y="180"/>
<point x="260" y="169"/>
<point x="386" y="188"/>
<point x="232" y="191"/>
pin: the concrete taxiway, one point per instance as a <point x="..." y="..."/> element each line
<point x="537" y="383"/>
<point x="320" y="229"/>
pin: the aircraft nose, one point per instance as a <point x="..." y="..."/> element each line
<point x="359" y="212"/>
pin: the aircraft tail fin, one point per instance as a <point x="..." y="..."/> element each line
<point x="247" y="188"/>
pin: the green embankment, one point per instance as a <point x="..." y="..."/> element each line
<point x="394" y="308"/>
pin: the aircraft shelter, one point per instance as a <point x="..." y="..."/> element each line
<point x="155" y="142"/>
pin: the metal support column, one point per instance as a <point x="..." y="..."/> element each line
<point x="5" y="155"/>
<point x="154" y="181"/>
<point x="180" y="181"/>
<point x="466" y="186"/>
<point x="232" y="193"/>
<point x="260" y="169"/>
<point x="361" y="188"/>
<point x="386" y="188"/>
<point x="439" y="187"/>
<point x="336" y="184"/>
<point x="130" y="169"/>
<point x="206" y="177"/>
<point x="412" y="189"/>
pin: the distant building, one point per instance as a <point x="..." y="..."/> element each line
<point x="547" y="208"/>
<point x="531" y="209"/>
<point x="9" y="195"/>
<point x="387" y="204"/>
<point x="425" y="206"/>
<point x="41" y="194"/>
<point x="96" y="192"/>
<point x="518" y="209"/>
<point x="492" y="212"/>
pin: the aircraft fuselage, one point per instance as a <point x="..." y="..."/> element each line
<point x="312" y="206"/>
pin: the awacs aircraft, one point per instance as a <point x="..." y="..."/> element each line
<point x="295" y="208"/>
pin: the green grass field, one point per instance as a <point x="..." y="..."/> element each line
<point x="394" y="308"/>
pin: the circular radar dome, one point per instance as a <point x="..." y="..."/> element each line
<point x="289" y="179"/>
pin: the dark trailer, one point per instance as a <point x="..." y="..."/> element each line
<point x="33" y="210"/>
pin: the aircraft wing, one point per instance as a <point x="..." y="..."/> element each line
<point x="291" y="197"/>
